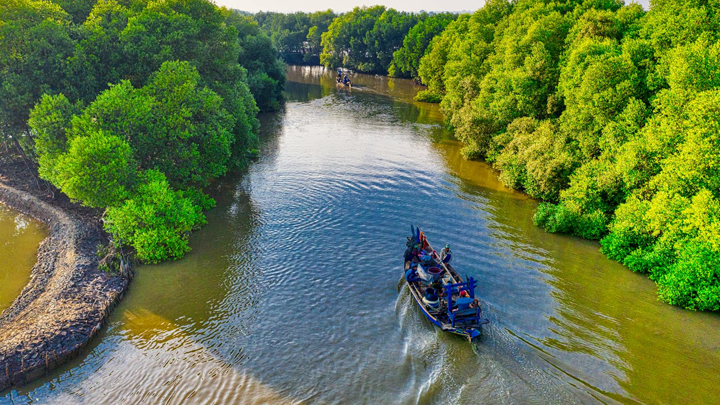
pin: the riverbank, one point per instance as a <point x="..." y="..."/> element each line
<point x="68" y="298"/>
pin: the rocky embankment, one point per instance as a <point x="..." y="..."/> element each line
<point x="68" y="298"/>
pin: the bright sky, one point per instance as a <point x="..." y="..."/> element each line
<point x="288" y="6"/>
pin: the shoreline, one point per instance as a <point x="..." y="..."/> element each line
<point x="68" y="299"/>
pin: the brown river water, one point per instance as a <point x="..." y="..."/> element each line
<point x="19" y="240"/>
<point x="290" y="294"/>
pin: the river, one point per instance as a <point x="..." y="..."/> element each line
<point x="290" y="293"/>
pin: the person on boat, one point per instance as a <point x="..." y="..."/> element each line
<point x="445" y="254"/>
<point x="463" y="302"/>
<point x="411" y="275"/>
<point x="418" y="252"/>
<point x="474" y="303"/>
<point x="346" y="80"/>
<point x="427" y="259"/>
<point x="411" y="254"/>
<point x="339" y="76"/>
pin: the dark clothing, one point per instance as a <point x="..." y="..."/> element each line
<point x="411" y="276"/>
<point x="409" y="254"/>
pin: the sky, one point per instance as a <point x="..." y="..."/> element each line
<point x="289" y="6"/>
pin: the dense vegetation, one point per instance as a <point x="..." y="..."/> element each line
<point x="297" y="36"/>
<point x="406" y="60"/>
<point x="367" y="39"/>
<point x="134" y="106"/>
<point x="606" y="112"/>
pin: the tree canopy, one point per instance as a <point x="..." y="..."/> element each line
<point x="366" y="38"/>
<point x="406" y="60"/>
<point x="606" y="112"/>
<point x="297" y="35"/>
<point x="135" y="106"/>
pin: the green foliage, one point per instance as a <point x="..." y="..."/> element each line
<point x="35" y="40"/>
<point x="45" y="50"/>
<point x="131" y="149"/>
<point x="188" y="30"/>
<point x="366" y="38"/>
<point x="98" y="169"/>
<point x="258" y="55"/>
<point x="156" y="220"/>
<point x="194" y="31"/>
<point x="172" y="124"/>
<point x="406" y="60"/>
<point x="428" y="96"/>
<point x="297" y="36"/>
<point x="344" y="42"/>
<point x="432" y="65"/>
<point x="694" y="281"/>
<point x="77" y="9"/>
<point x="136" y="105"/>
<point x="607" y="113"/>
<point x="98" y="59"/>
<point x="535" y="159"/>
<point x="49" y="119"/>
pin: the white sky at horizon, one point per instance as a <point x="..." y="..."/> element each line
<point x="289" y="6"/>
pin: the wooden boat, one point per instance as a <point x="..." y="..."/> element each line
<point x="444" y="297"/>
<point x="340" y="83"/>
<point x="339" y="79"/>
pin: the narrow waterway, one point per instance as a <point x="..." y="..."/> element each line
<point x="20" y="237"/>
<point x="291" y="291"/>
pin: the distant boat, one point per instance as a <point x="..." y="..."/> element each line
<point x="442" y="295"/>
<point x="339" y="79"/>
<point x="341" y="83"/>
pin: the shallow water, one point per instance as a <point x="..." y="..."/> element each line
<point x="291" y="291"/>
<point x="19" y="240"/>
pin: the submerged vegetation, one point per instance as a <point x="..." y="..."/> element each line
<point x="133" y="107"/>
<point x="606" y="112"/>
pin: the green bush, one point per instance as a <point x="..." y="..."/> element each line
<point x="140" y="97"/>
<point x="98" y="170"/>
<point x="131" y="149"/>
<point x="406" y="60"/>
<point x="693" y="282"/>
<point x="156" y="220"/>
<point x="428" y="96"/>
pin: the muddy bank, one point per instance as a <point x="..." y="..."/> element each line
<point x="67" y="299"/>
